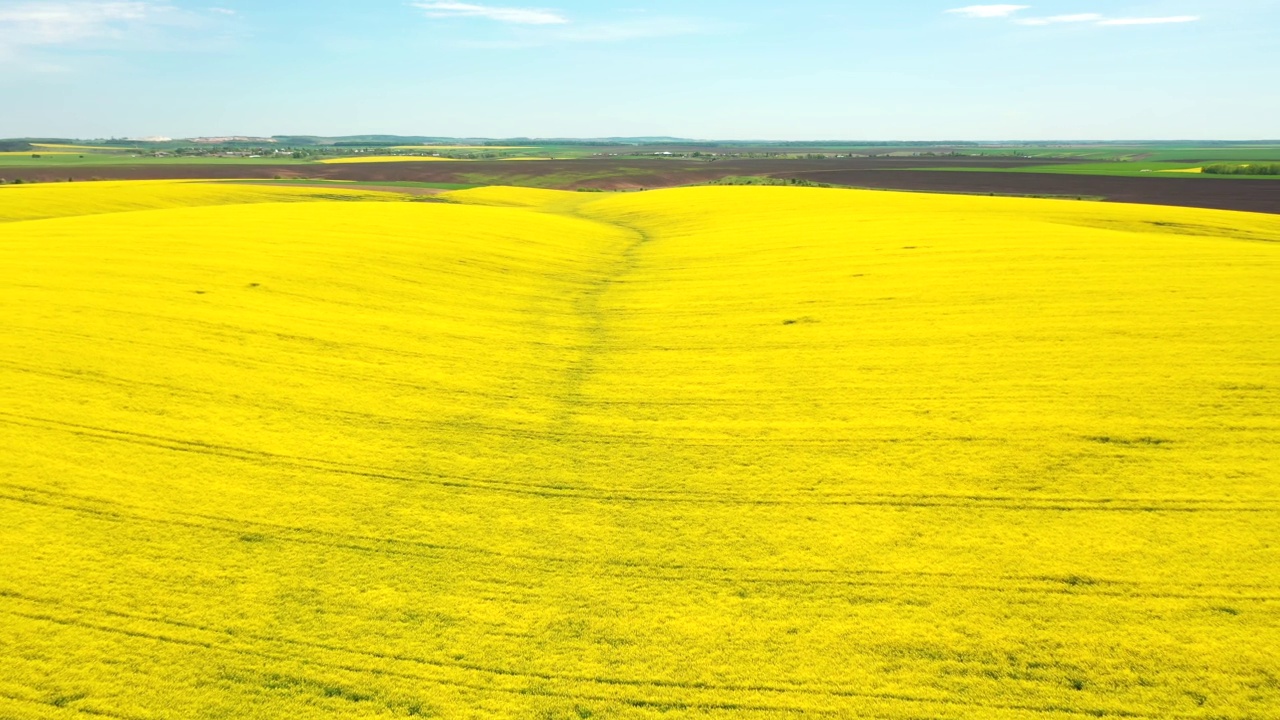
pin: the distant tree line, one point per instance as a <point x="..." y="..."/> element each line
<point x="1251" y="169"/>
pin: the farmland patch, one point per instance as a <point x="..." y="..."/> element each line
<point x="734" y="451"/>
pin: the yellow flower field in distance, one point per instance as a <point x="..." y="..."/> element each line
<point x="55" y="200"/>
<point x="723" y="452"/>
<point x="62" y="146"/>
<point x="386" y="159"/>
<point x="445" y="148"/>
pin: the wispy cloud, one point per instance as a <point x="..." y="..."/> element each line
<point x="539" y="28"/>
<point x="1151" y="20"/>
<point x="34" y="34"/>
<point x="632" y="30"/>
<point x="594" y="33"/>
<point x="1056" y="19"/>
<point x="518" y="16"/>
<point x="989" y="11"/>
<point x="58" y="23"/>
<point x="1008" y="11"/>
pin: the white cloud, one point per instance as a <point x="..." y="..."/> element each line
<point x="58" y="23"/>
<point x="223" y="11"/>
<point x="1150" y="20"/>
<point x="635" y="30"/>
<point x="1008" y="11"/>
<point x="35" y="34"/>
<point x="988" y="11"/>
<point x="518" y="16"/>
<point x="595" y="33"/>
<point x="1056" y="19"/>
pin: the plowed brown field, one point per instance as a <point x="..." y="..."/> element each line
<point x="636" y="174"/>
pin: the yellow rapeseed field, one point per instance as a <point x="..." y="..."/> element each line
<point x="722" y="452"/>
<point x="387" y="159"/>
<point x="443" y="148"/>
<point x="54" y="200"/>
<point x="64" y="146"/>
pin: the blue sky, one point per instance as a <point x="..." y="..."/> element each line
<point x="741" y="69"/>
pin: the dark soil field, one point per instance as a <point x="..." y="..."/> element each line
<point x="1188" y="191"/>
<point x="889" y="173"/>
<point x="610" y="173"/>
<point x="404" y="190"/>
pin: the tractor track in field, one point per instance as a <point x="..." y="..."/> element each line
<point x="587" y="305"/>
<point x="557" y="565"/>
<point x="261" y="647"/>
<point x="576" y="492"/>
